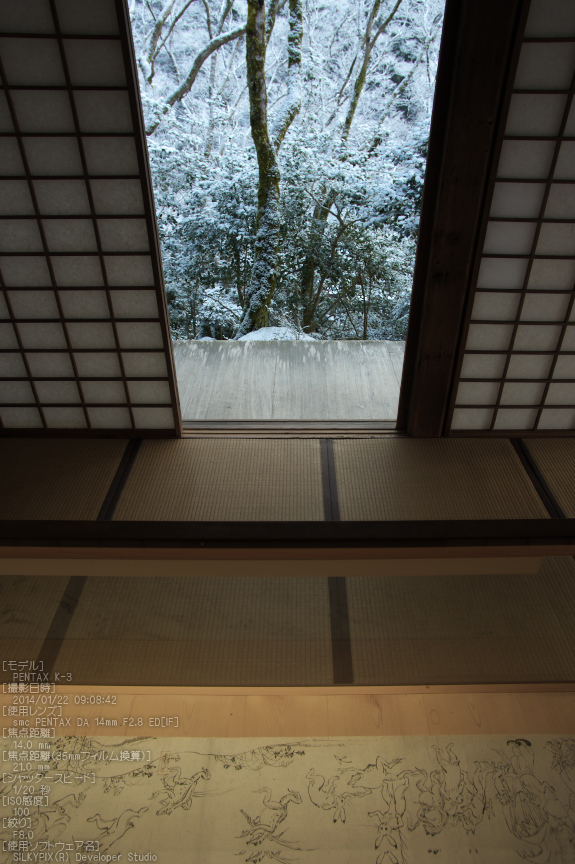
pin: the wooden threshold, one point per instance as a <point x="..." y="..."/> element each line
<point x="290" y="428"/>
<point x="151" y="553"/>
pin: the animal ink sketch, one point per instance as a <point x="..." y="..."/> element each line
<point x="254" y="760"/>
<point x="113" y="830"/>
<point x="333" y="794"/>
<point x="264" y="827"/>
<point x="176" y="796"/>
<point x="368" y="800"/>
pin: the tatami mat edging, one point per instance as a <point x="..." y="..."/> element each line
<point x="207" y="479"/>
<point x="433" y="479"/>
<point x="555" y="458"/>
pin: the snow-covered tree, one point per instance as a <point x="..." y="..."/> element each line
<point x="307" y="213"/>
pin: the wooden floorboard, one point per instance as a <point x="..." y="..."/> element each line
<point x="297" y="381"/>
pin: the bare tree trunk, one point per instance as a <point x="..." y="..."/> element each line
<point x="225" y="11"/>
<point x="293" y="105"/>
<point x="262" y="285"/>
<point x="321" y="212"/>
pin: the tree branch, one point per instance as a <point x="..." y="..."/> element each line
<point x="193" y="74"/>
<point x="293" y="106"/>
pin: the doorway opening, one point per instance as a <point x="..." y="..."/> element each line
<point x="288" y="145"/>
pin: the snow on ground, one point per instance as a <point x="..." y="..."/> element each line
<point x="267" y="334"/>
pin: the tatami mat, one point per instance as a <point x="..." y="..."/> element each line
<point x="555" y="458"/>
<point x="56" y="478"/>
<point x="225" y="479"/>
<point x="396" y="479"/>
<point x="464" y="629"/>
<point x="199" y="631"/>
<point x="27" y="607"/>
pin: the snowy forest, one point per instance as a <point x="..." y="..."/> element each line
<point x="288" y="143"/>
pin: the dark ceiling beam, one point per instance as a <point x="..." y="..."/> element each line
<point x="403" y="534"/>
<point x="479" y="51"/>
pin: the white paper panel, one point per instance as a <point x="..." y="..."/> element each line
<point x="139" y="335"/>
<point x="43" y="111"/>
<point x="556" y="239"/>
<point x="152" y="365"/>
<point x="84" y="304"/>
<point x="101" y="365"/>
<point x="570" y="125"/>
<point x="153" y="418"/>
<point x="31" y="61"/>
<point x="476" y="393"/>
<point x="104" y="391"/>
<point x="32" y="16"/>
<point x="134" y="270"/>
<point x="517" y="199"/>
<point x="16" y="391"/>
<point x="74" y="283"/>
<point x="50" y="365"/>
<point x="522" y="394"/>
<point x="128" y="235"/>
<point x="565" y="168"/>
<point x="535" y="115"/>
<point x="121" y="197"/>
<point x="489" y="337"/>
<point x="529" y="366"/>
<point x="88" y="17"/>
<point x="544" y="337"/>
<point x="19" y="235"/>
<point x="515" y="418"/>
<point x="545" y="66"/>
<point x="561" y="394"/>
<point x="565" y="367"/>
<point x="525" y="160"/>
<point x="491" y="306"/>
<point x="12" y="365"/>
<point x="58" y="391"/>
<point x="101" y="111"/>
<point x="43" y="335"/>
<point x="552" y="275"/>
<point x="5" y="118"/>
<point x="94" y="335"/>
<point x="568" y="343"/>
<point x="21" y="418"/>
<point x="10" y="158"/>
<point x="545" y="307"/>
<point x="74" y="271"/>
<point x="53" y="156"/>
<point x="15" y="198"/>
<point x="502" y="273"/>
<point x="471" y="418"/>
<point x="95" y="62"/>
<point x="134" y="304"/>
<point x="25" y="272"/>
<point x="158" y="391"/>
<point x="557" y="418"/>
<point x="111" y="156"/>
<point x="509" y="238"/>
<point x="65" y="418"/>
<point x="561" y="202"/>
<point x="110" y="418"/>
<point x="34" y="304"/>
<point x="62" y="197"/>
<point x="7" y="336"/>
<point x="551" y="18"/>
<point x="70" y="235"/>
